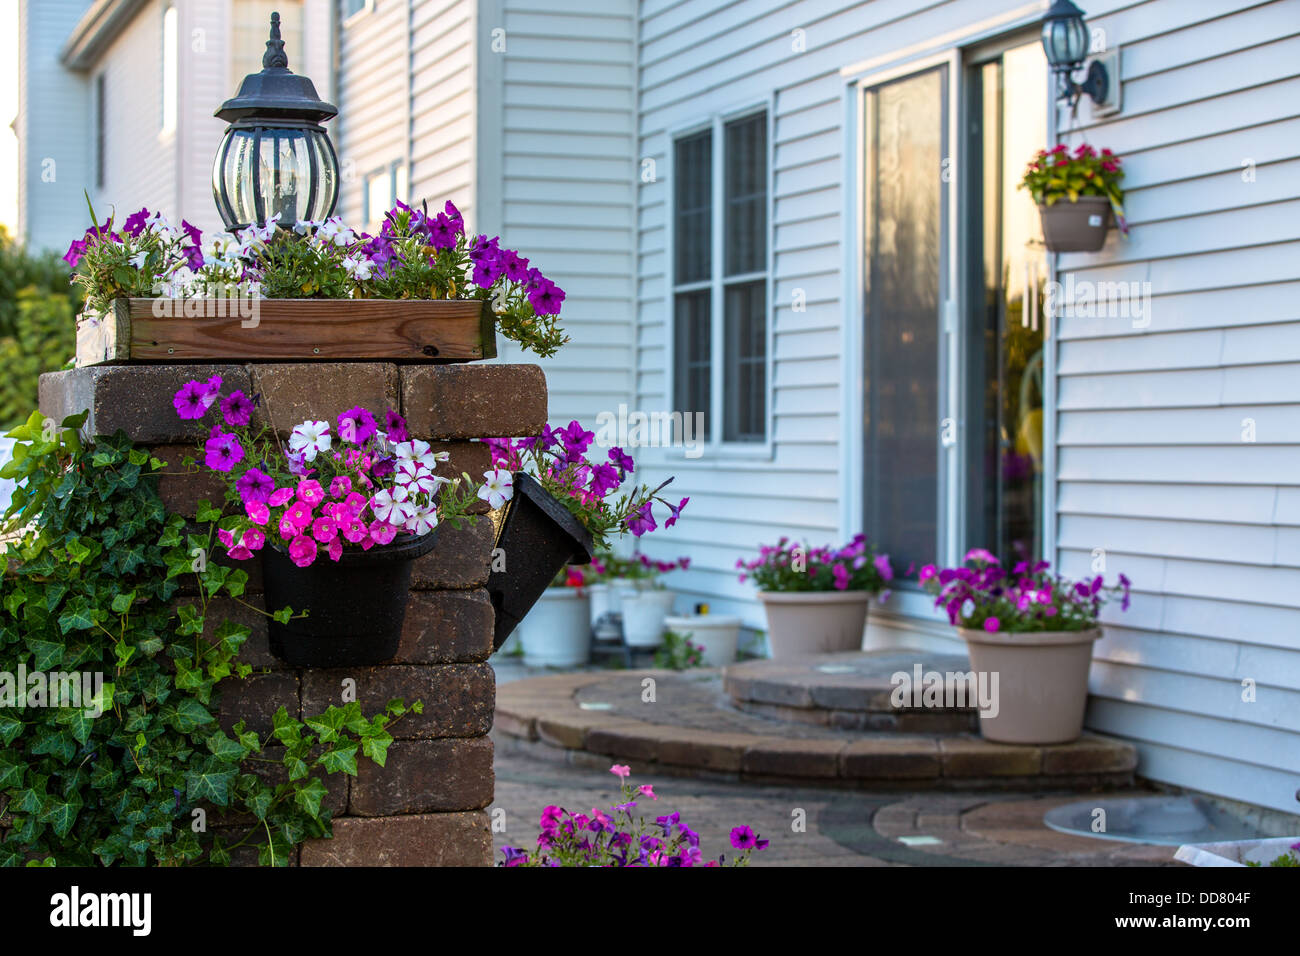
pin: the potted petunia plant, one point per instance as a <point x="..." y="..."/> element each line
<point x="339" y="513"/>
<point x="429" y="288"/>
<point x="559" y="507"/>
<point x="1076" y="193"/>
<point x="816" y="599"/>
<point x="1035" y="631"/>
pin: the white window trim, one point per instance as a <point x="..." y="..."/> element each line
<point x="717" y="451"/>
<point x="355" y="15"/>
<point x="169" y="119"/>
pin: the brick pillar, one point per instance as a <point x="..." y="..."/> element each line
<point x="427" y="806"/>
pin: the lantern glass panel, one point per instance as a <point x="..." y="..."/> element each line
<point x="264" y="172"/>
<point x="1065" y="41"/>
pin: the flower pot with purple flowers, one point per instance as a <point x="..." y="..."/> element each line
<point x="1031" y="633"/>
<point x="816" y="599"/>
<point x="339" y="515"/>
<point x="558" y="507"/>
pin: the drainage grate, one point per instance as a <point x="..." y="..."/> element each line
<point x="1164" y="821"/>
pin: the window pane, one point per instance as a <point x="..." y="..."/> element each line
<point x="904" y="226"/>
<point x="379" y="194"/>
<point x="1004" y="398"/>
<point x="744" y="406"/>
<point x="746" y="193"/>
<point x="693" y="233"/>
<point x="693" y="359"/>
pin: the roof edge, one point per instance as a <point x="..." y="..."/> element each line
<point x="98" y="27"/>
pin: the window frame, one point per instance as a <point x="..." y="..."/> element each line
<point x="390" y="170"/>
<point x="169" y="107"/>
<point x="717" y="448"/>
<point x="347" y="19"/>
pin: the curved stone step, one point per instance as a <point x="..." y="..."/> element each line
<point x="688" y="728"/>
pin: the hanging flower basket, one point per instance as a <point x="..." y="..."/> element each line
<point x="538" y="537"/>
<point x="1079" y="226"/>
<point x="355" y="606"/>
<point x="1078" y="195"/>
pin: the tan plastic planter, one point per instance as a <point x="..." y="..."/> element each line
<point x="814" y="622"/>
<point x="1042" y="683"/>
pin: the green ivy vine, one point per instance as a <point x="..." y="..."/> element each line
<point x="93" y="584"/>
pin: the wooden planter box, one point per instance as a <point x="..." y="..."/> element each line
<point x="203" y="330"/>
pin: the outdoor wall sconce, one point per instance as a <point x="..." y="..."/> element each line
<point x="276" y="157"/>
<point x="1066" y="42"/>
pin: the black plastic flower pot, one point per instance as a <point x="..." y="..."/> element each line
<point x="538" y="537"/>
<point x="355" y="606"/>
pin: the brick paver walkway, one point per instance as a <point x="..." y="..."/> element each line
<point x="839" y="828"/>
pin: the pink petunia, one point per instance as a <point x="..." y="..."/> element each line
<point x="302" y="551"/>
<point x="340" y="487"/>
<point x="300" y="514"/>
<point x="335" y="549"/>
<point x="324" y="530"/>
<point x="310" y="492"/>
<point x="258" y="512"/>
<point x="279" y="497"/>
<point x="288" y="530"/>
<point x="354" y="530"/>
<point x="254" y="539"/>
<point x="382" y="532"/>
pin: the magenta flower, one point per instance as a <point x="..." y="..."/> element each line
<point x="647" y="790"/>
<point x="395" y="427"/>
<point x="302" y="551"/>
<point x="324" y="530"/>
<point x="354" y="530"/>
<point x="300" y="514"/>
<point x="279" y="497"/>
<point x="619" y="770"/>
<point x="992" y="624"/>
<point x="841" y="577"/>
<point x="642" y="520"/>
<point x="340" y="487"/>
<point x="335" y="549"/>
<point x="382" y="532"/>
<point x="604" y="479"/>
<point x="743" y="838"/>
<point x="356" y="425"/>
<point x="676" y="513"/>
<point x="622" y="460"/>
<point x="310" y="492"/>
<point x="254" y="485"/>
<point x="223" y="452"/>
<point x="189" y="401"/>
<point x="237" y="409"/>
<point x="254" y="539"/>
<point x="258" y="512"/>
<point x="881" y="561"/>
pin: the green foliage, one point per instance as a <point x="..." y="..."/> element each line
<point x="94" y="587"/>
<point x="43" y="340"/>
<point x="677" y="653"/>
<point x="21" y="269"/>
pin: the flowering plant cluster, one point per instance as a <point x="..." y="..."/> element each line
<point x="591" y="491"/>
<point x="616" y="838"/>
<point x="640" y="567"/>
<point x="416" y="255"/>
<point x="329" y="487"/>
<point x="1026" y="599"/>
<point x="1056" y="174"/>
<point x="796" y="567"/>
<point x="678" y="653"/>
<point x="570" y="576"/>
<point x="1291" y="858"/>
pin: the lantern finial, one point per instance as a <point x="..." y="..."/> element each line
<point x="275" y="57"/>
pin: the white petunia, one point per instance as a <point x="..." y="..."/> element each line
<point x="392" y="506"/>
<point x="419" y="452"/>
<point x="422" y="520"/>
<point x="418" y="479"/>
<point x="498" y="487"/>
<point x="309" y="438"/>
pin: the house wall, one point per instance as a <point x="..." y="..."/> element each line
<point x="1153" y="468"/>
<point x="52" y="124"/>
<point x="558" y="174"/>
<point x="1156" y="461"/>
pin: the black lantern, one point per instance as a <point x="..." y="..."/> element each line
<point x="1065" y="41"/>
<point x="276" y="157"/>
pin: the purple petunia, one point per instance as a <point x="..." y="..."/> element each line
<point x="356" y="425"/>
<point x="223" y="451"/>
<point x="395" y="427"/>
<point x="237" y="409"/>
<point x="136" y="222"/>
<point x="604" y="479"/>
<point x="642" y="520"/>
<point x="191" y="401"/>
<point x="676" y="513"/>
<point x="254" y="486"/>
<point x="622" y="460"/>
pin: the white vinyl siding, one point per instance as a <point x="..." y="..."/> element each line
<point x="559" y="158"/>
<point x="1153" y="465"/>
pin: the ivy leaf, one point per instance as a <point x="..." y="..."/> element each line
<point x="309" y="797"/>
<point x="10" y="728"/>
<point x="328" y="724"/>
<point x="204" y="513"/>
<point x="46" y="655"/>
<point x="62" y="814"/>
<point x="375" y="746"/>
<point x="12" y="768"/>
<point x="79" y="617"/>
<point x="223" y="748"/>
<point x="187" y="715"/>
<point x="210" y="782"/>
<point x="338" y="759"/>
